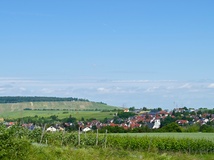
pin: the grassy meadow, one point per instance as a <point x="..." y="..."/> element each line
<point x="61" y="114"/>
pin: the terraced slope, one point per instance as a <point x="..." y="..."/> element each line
<point x="64" y="105"/>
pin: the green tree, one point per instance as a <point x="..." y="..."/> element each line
<point x="54" y="117"/>
<point x="193" y="128"/>
<point x="167" y="121"/>
<point x="94" y="127"/>
<point x="132" y="108"/>
<point x="172" y="127"/>
<point x="206" y="128"/>
<point x="159" y="109"/>
<point x="125" y="114"/>
<point x="145" y="109"/>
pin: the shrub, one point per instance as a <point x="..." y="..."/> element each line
<point x="12" y="147"/>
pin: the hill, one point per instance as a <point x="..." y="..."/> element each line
<point x="64" y="105"/>
<point x="16" y="107"/>
<point x="10" y="104"/>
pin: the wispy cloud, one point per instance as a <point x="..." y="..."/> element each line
<point x="211" y="85"/>
<point x="116" y="92"/>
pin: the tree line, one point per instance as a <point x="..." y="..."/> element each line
<point x="19" y="99"/>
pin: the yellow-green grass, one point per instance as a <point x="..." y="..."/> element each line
<point x="197" y="135"/>
<point x="56" y="153"/>
<point x="61" y="114"/>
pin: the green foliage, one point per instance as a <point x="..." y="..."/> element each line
<point x="58" y="153"/>
<point x="206" y="128"/>
<point x="192" y="128"/>
<point x="172" y="127"/>
<point x="13" y="144"/>
<point x="17" y="99"/>
<point x="141" y="129"/>
<point x="167" y="121"/>
<point x="114" y="129"/>
<point x="132" y="108"/>
<point x="146" y="143"/>
<point x="125" y="114"/>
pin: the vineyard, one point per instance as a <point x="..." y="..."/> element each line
<point x="15" y="141"/>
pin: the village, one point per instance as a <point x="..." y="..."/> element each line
<point x="132" y="120"/>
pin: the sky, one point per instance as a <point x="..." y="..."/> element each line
<point x="124" y="53"/>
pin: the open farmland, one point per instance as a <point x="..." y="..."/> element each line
<point x="61" y="114"/>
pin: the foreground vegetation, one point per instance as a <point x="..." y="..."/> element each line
<point x="20" y="143"/>
<point x="56" y="153"/>
<point x="195" y="135"/>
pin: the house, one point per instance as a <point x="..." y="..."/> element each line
<point x="29" y="126"/>
<point x="179" y="110"/>
<point x="163" y="113"/>
<point x="9" y="124"/>
<point x="156" y="124"/>
<point x="126" y="110"/>
<point x="86" y="129"/>
<point x="182" y="122"/>
<point x="153" y="113"/>
<point x="51" y="129"/>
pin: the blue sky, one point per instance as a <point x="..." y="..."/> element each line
<point x="125" y="53"/>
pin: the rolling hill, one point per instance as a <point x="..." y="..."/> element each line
<point x="64" y="105"/>
<point x="50" y="106"/>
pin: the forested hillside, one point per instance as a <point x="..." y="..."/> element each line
<point x="18" y="99"/>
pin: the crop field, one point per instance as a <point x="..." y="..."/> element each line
<point x="198" y="135"/>
<point x="61" y="114"/>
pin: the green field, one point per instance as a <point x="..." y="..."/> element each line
<point x="77" y="114"/>
<point x="198" y="135"/>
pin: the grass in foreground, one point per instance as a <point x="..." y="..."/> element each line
<point x="56" y="153"/>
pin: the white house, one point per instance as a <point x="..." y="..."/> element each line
<point x="51" y="129"/>
<point x="157" y="124"/>
<point x="86" y="129"/>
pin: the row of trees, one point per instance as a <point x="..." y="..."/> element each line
<point x="18" y="99"/>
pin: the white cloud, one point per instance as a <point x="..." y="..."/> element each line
<point x="116" y="92"/>
<point x="22" y="89"/>
<point x="101" y="89"/>
<point x="186" y="86"/>
<point x="211" y="85"/>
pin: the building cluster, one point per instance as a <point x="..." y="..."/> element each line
<point x="150" y="118"/>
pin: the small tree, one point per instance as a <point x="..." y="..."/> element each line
<point x="172" y="127"/>
<point x="132" y="108"/>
